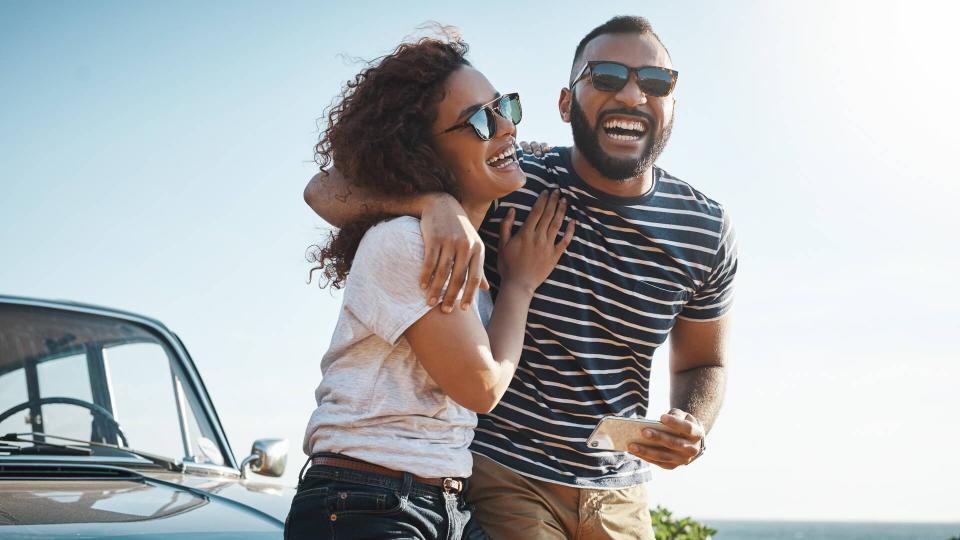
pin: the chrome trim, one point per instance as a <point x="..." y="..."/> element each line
<point x="189" y="368"/>
<point x="268" y="457"/>
<point x="210" y="468"/>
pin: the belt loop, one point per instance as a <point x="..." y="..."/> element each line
<point x="303" y="470"/>
<point x="305" y="465"/>
<point x="406" y="486"/>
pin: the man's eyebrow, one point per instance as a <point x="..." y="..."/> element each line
<point x="470" y="109"/>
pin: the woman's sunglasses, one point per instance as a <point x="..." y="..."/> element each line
<point x="483" y="122"/>
<point x="613" y="76"/>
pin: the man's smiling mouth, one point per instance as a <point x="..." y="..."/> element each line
<point x="625" y="130"/>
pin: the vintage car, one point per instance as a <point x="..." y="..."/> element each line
<point x="107" y="431"/>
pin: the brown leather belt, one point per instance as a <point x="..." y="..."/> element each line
<point x="449" y="485"/>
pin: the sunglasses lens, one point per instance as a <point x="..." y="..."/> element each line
<point x="655" y="81"/>
<point x="609" y="77"/>
<point x="483" y="124"/>
<point x="509" y="107"/>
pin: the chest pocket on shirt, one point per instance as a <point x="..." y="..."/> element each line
<point x="661" y="298"/>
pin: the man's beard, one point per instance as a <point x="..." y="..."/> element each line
<point x="587" y="142"/>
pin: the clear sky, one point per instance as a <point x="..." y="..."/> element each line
<point x="153" y="156"/>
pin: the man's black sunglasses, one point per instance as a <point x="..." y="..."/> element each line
<point x="613" y="76"/>
<point x="483" y="122"/>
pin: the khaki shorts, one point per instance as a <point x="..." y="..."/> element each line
<point x="510" y="506"/>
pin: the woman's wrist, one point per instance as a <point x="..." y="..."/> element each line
<point x="518" y="288"/>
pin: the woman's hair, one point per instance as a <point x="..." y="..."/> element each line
<point x="379" y="134"/>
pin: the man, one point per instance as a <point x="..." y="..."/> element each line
<point x="651" y="257"/>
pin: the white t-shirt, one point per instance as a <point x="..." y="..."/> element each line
<point x="376" y="402"/>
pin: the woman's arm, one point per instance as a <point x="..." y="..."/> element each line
<point x="474" y="365"/>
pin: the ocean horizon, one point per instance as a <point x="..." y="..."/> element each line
<point x="829" y="530"/>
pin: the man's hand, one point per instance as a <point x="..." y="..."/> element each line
<point x="452" y="248"/>
<point x="671" y="450"/>
<point x="536" y="148"/>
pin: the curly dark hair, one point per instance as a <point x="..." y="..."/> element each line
<point x="379" y="134"/>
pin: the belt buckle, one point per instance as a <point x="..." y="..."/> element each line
<point x="452" y="485"/>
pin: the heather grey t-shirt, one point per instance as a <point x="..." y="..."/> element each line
<point x="376" y="402"/>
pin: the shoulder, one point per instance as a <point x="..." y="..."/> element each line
<point x="546" y="172"/>
<point x="682" y="194"/>
<point x="399" y="238"/>
<point x="397" y="228"/>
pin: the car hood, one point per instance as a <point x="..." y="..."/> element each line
<point x="133" y="503"/>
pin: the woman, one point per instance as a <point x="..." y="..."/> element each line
<point x="402" y="381"/>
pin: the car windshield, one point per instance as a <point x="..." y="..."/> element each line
<point x="102" y="379"/>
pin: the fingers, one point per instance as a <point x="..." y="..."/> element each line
<point x="684" y="424"/>
<point x="506" y="226"/>
<point x="536" y="148"/>
<point x="458" y="276"/>
<point x="443" y="267"/>
<point x="567" y="237"/>
<point x="475" y="277"/>
<point x="536" y="212"/>
<point x="431" y="259"/>
<point x="557" y="219"/>
<point x="549" y="210"/>
<point x="660" y="457"/>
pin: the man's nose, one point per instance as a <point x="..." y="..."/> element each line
<point x="631" y="95"/>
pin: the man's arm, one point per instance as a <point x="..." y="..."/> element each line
<point x="338" y="201"/>
<point x="697" y="382"/>
<point x="452" y="247"/>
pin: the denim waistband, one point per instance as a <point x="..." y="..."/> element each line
<point x="401" y="485"/>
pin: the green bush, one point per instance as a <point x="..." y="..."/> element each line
<point x="667" y="527"/>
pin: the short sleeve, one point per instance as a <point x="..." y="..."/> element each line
<point x="715" y="297"/>
<point x="382" y="289"/>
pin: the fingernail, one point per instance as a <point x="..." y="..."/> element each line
<point x="648" y="434"/>
<point x="446" y="309"/>
<point x="634" y="448"/>
<point x="423" y="285"/>
<point x="432" y="301"/>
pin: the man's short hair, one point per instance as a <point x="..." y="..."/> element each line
<point x="621" y="24"/>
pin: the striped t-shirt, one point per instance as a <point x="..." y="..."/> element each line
<point x="634" y="266"/>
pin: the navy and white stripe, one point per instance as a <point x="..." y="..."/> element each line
<point x="634" y="266"/>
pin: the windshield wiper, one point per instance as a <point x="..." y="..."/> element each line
<point x="167" y="463"/>
<point x="40" y="448"/>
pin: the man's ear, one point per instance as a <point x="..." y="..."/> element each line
<point x="566" y="95"/>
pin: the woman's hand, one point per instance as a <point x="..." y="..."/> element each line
<point x="527" y="258"/>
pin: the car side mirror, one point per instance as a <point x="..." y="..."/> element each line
<point x="267" y="457"/>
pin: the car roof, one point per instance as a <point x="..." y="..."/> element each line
<point x="81" y="307"/>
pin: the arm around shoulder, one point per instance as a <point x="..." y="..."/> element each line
<point x="338" y="200"/>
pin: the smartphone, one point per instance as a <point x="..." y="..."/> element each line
<point x="617" y="432"/>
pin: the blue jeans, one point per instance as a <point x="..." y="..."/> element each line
<point x="338" y="503"/>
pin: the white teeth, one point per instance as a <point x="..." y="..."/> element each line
<point x="506" y="153"/>
<point x="623" y="124"/>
